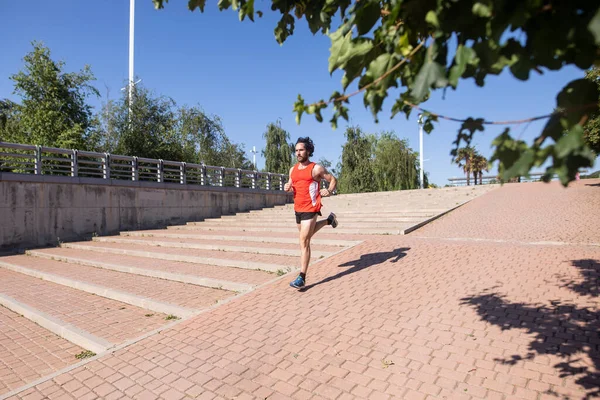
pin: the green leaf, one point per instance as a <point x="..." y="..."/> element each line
<point x="284" y="28"/>
<point x="224" y="4"/>
<point x="464" y="55"/>
<point x="366" y="16"/>
<point x="299" y="108"/>
<point x="570" y="142"/>
<point x="192" y="4"/>
<point x="594" y="26"/>
<point x="481" y="10"/>
<point x="343" y="49"/>
<point x="403" y="46"/>
<point x="521" y="166"/>
<point x="578" y="98"/>
<point x="247" y="10"/>
<point x="431" y="74"/>
<point x="432" y="18"/>
<point x="521" y="68"/>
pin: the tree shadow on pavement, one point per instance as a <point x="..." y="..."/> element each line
<point x="593" y="184"/>
<point x="365" y="261"/>
<point x="590" y="272"/>
<point x="560" y="329"/>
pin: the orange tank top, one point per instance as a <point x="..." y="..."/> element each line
<point x="306" y="190"/>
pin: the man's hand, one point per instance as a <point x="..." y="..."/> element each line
<point x="325" y="193"/>
<point x="288" y="186"/>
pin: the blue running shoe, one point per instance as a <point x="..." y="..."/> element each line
<point x="297" y="283"/>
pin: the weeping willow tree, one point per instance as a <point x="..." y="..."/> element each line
<point x="278" y="151"/>
<point x="373" y="163"/>
<point x="395" y="165"/>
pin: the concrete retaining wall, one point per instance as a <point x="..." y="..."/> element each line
<point x="42" y="210"/>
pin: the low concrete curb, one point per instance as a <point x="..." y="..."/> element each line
<point x="176" y="257"/>
<point x="191" y="279"/>
<point x="129" y="298"/>
<point x="423" y="223"/>
<point x="218" y="247"/>
<point x="260" y="239"/>
<point x="56" y="326"/>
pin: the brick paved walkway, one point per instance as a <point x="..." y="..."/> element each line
<point x="436" y="314"/>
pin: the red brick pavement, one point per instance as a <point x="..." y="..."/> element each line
<point x="532" y="212"/>
<point x="28" y="351"/>
<point x="181" y="294"/>
<point x="395" y="317"/>
<point x="102" y="317"/>
<point x="208" y="271"/>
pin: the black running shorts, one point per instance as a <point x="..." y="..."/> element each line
<point x="304" y="216"/>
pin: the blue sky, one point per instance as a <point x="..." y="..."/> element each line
<point x="238" y="71"/>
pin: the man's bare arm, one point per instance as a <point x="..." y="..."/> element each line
<point x="320" y="172"/>
<point x="289" y="185"/>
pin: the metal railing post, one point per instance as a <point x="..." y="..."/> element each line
<point x="74" y="163"/>
<point x="106" y="166"/>
<point x="203" y="175"/>
<point x="38" y="160"/>
<point x="182" y="174"/>
<point x="254" y="178"/>
<point x="222" y="177"/>
<point x="135" y="172"/>
<point x="268" y="181"/>
<point x="238" y="178"/>
<point x="160" y="173"/>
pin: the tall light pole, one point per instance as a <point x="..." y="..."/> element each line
<point x="421" y="149"/>
<point x="254" y="156"/>
<point x="131" y="31"/>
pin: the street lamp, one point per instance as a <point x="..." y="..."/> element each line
<point x="421" y="149"/>
<point x="253" y="151"/>
<point x="131" y="32"/>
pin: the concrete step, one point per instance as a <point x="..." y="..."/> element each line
<point x="271" y="263"/>
<point x="28" y="351"/>
<point x="243" y="247"/>
<point x="235" y="279"/>
<point x="338" y="231"/>
<point x="343" y="224"/>
<point x="228" y="236"/>
<point x="92" y="322"/>
<point x="364" y="216"/>
<point x="150" y="293"/>
<point x="266" y="220"/>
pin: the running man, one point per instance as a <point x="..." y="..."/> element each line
<point x="305" y="179"/>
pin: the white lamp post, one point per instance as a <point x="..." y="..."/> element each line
<point x="421" y="149"/>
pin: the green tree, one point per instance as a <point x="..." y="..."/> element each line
<point x="53" y="109"/>
<point x="356" y="175"/>
<point x="10" y="123"/>
<point x="327" y="165"/>
<point x="202" y="136"/>
<point x="591" y="131"/>
<point x="149" y="129"/>
<point x="464" y="158"/>
<point x="480" y="164"/>
<point x="278" y="150"/>
<point x="395" y="165"/>
<point x="419" y="46"/>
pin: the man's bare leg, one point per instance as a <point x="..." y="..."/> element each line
<point x="307" y="230"/>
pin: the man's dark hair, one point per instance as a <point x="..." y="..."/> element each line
<point x="308" y="144"/>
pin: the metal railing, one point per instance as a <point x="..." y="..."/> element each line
<point x="41" y="160"/>
<point x="492" y="179"/>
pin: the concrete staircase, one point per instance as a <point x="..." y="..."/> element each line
<point x="90" y="297"/>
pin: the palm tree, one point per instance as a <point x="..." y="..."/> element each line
<point x="480" y="164"/>
<point x="464" y="159"/>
